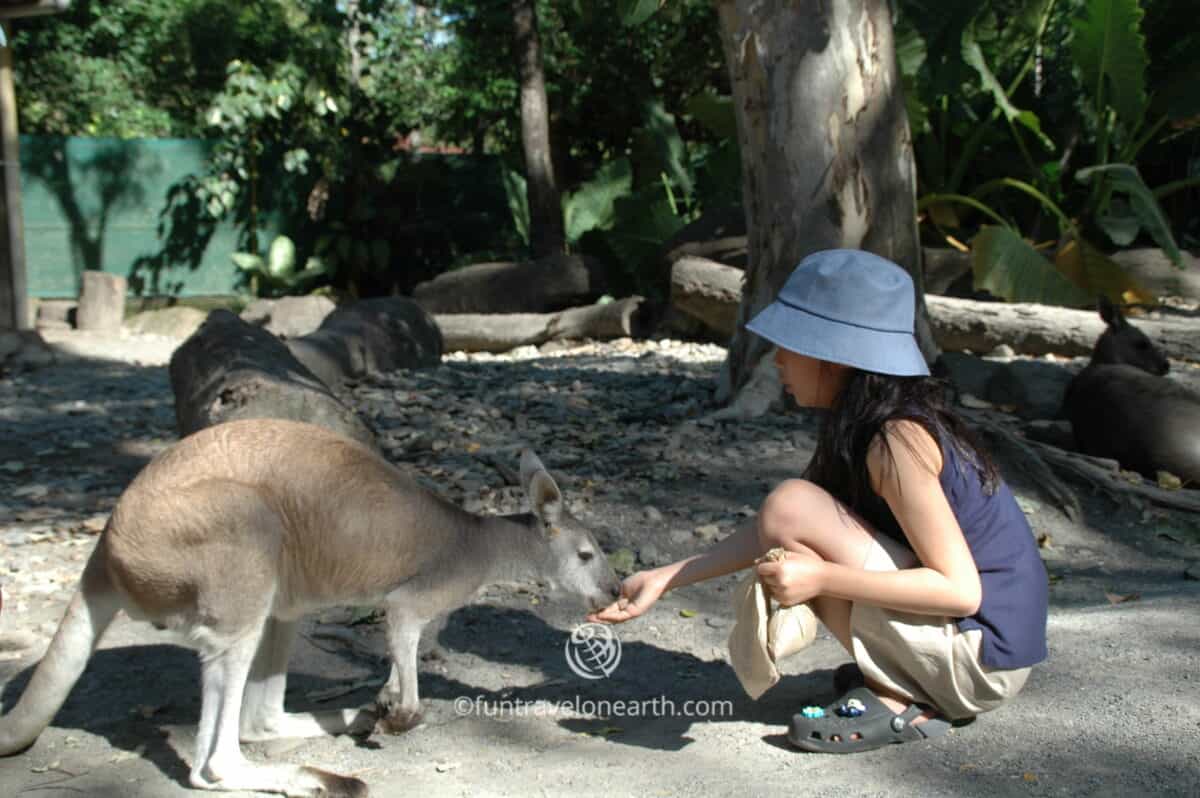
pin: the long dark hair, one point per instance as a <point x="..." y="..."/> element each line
<point x="867" y="402"/>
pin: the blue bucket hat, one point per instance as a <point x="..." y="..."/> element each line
<point x="850" y="307"/>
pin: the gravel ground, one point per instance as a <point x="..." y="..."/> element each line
<point x="622" y="425"/>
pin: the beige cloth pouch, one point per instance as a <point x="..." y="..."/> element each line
<point x="762" y="634"/>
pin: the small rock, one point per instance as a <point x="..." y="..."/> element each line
<point x="95" y="525"/>
<point x="652" y="515"/>
<point x="649" y="554"/>
<point x="708" y="533"/>
<point x="1003" y="351"/>
<point x="681" y="536"/>
<point x="1193" y="572"/>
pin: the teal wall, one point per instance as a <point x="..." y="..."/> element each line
<point x="94" y="203"/>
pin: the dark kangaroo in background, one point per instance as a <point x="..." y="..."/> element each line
<point x="1123" y="408"/>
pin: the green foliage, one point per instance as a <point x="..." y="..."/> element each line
<point x="1110" y="52"/>
<point x="1034" y="114"/>
<point x="276" y="274"/>
<point x="973" y="55"/>
<point x="516" y="194"/>
<point x="592" y="206"/>
<point x="635" y="12"/>
<point x="138" y="69"/>
<point x="1007" y="266"/>
<point x="600" y="76"/>
<point x="1139" y="211"/>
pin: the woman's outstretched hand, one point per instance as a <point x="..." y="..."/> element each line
<point x="639" y="591"/>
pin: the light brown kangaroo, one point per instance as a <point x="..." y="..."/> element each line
<point x="239" y="530"/>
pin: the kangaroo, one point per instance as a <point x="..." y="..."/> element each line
<point x="236" y="532"/>
<point x="1121" y="406"/>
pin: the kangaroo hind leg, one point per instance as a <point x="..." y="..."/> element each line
<point x="263" y="715"/>
<point x="219" y="764"/>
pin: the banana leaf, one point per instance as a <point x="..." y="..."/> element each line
<point x="591" y="206"/>
<point x="661" y="149"/>
<point x="518" y="201"/>
<point x="714" y="112"/>
<point x="1124" y="179"/>
<point x="1110" y="52"/>
<point x="1096" y="273"/>
<point x="635" y="12"/>
<point x="1009" y="267"/>
<point x="972" y="53"/>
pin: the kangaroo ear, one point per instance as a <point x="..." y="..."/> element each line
<point x="1110" y="313"/>
<point x="546" y="499"/>
<point x="544" y="496"/>
<point x="530" y="465"/>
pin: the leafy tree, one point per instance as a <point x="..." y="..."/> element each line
<point x="599" y="76"/>
<point x="138" y="69"/>
<point x="1034" y="116"/>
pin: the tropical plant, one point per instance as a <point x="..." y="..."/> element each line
<point x="276" y="274"/>
<point x="1103" y="203"/>
<point x="632" y="205"/>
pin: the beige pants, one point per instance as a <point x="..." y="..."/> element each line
<point x="922" y="657"/>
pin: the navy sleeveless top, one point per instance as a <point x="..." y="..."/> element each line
<point x="1012" y="613"/>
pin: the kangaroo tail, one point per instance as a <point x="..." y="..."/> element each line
<point x="91" y="610"/>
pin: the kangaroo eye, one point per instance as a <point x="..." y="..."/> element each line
<point x="586" y="555"/>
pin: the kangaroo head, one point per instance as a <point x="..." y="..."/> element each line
<point x="1123" y="343"/>
<point x="573" y="558"/>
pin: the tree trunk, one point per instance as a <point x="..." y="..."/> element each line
<point x="826" y="152"/>
<point x="545" y="207"/>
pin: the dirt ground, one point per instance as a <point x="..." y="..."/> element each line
<point x="1114" y="712"/>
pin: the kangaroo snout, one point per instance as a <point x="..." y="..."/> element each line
<point x="609" y="592"/>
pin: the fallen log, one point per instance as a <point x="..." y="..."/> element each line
<point x="541" y="286"/>
<point x="711" y="291"/>
<point x="368" y="337"/>
<point x="474" y="332"/>
<point x="964" y="324"/>
<point x="707" y="291"/>
<point x="230" y="370"/>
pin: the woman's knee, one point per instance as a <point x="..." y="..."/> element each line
<point x="787" y="514"/>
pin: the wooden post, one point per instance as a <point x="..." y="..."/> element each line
<point x="14" y="301"/>
<point x="14" y="296"/>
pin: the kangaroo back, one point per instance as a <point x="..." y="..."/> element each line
<point x="90" y="612"/>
